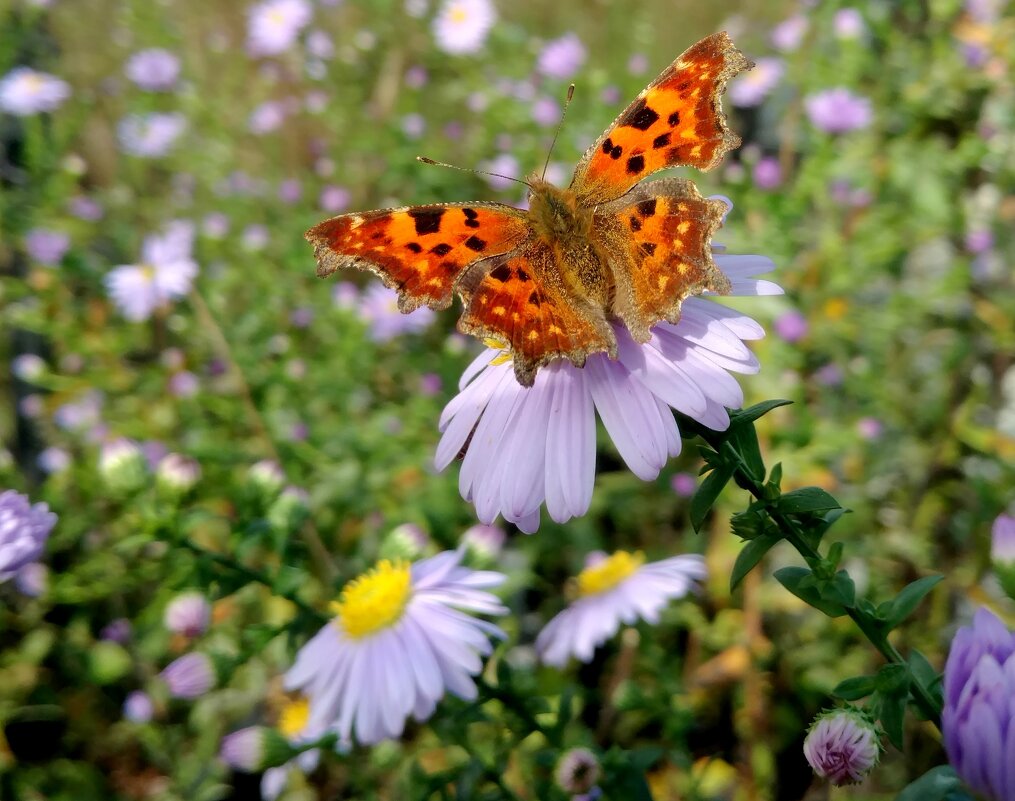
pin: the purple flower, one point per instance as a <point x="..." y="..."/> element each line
<point x="293" y="726"/>
<point x="561" y="58"/>
<point x="546" y="112"/>
<point x="524" y="446"/>
<point x="184" y="384"/>
<point x="164" y="273"/>
<point x="267" y="117"/>
<point x="379" y="309"/>
<point x="46" y="247"/>
<point x="402" y="636"/>
<point x="188" y="613"/>
<point x="413" y="125"/>
<point x="215" y="225"/>
<point x="32" y="579"/>
<point x="578" y="771"/>
<point x="754" y="86"/>
<point x="150" y="135"/>
<point x="791" y="326"/>
<point x="255" y="237"/>
<point x="253" y="749"/>
<point x="843" y="746"/>
<point x="767" y="174"/>
<point x="190" y="676"/>
<point x="319" y="45"/>
<point x="978" y="721"/>
<point x="985" y="11"/>
<point x="24" y="529"/>
<point x="504" y="165"/>
<point x="416" y="77"/>
<point x="484" y="541"/>
<point x="461" y="26"/>
<point x="156" y="69"/>
<point x="85" y="208"/>
<point x="849" y="24"/>
<point x="24" y="91"/>
<point x="117" y="630"/>
<point x="788" y="34"/>
<point x="274" y="25"/>
<point x="430" y="384"/>
<point x="684" y="484"/>
<point x="138" y="707"/>
<point x="637" y="63"/>
<point x="333" y="199"/>
<point x="869" y="427"/>
<point x="838" y="111"/>
<point x="611" y="590"/>
<point x="1002" y="540"/>
<point x="290" y="190"/>
<point x="979" y="241"/>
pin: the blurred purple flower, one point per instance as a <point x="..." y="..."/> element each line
<point x="255" y="237"/>
<point x="138" y="707"/>
<point x="165" y="272"/>
<point x="416" y="77"/>
<point x="546" y="112"/>
<point x="267" y="117"/>
<point x="334" y="199"/>
<point x="577" y="771"/>
<point x="838" y="111"/>
<point x="869" y="427"/>
<point x="637" y="63"/>
<point x="117" y="630"/>
<point x="505" y="164"/>
<point x="461" y="26"/>
<point x="561" y="58"/>
<point x="345" y="295"/>
<point x="190" y="676"/>
<point x="413" y="125"/>
<point x="184" y="384"/>
<point x="46" y="247"/>
<point x="842" y="746"/>
<point x="610" y="95"/>
<point x="150" y="135"/>
<point x="85" y="208"/>
<point x="155" y="70"/>
<point x="301" y="317"/>
<point x="215" y="225"/>
<point x="379" y="308"/>
<point x="188" y="613"/>
<point x="32" y="580"/>
<point x="985" y="11"/>
<point x="315" y="101"/>
<point x="978" y="721"/>
<point x="54" y="460"/>
<point x="274" y="25"/>
<point x="24" y="529"/>
<point x="788" y="34"/>
<point x="430" y="384"/>
<point x="684" y="484"/>
<point x="84" y="412"/>
<point x="1002" y="540"/>
<point x="24" y="91"/>
<point x="177" y="473"/>
<point x="754" y="86"/>
<point x="767" y="173"/>
<point x="486" y="541"/>
<point x="829" y="375"/>
<point x="979" y="241"/>
<point x="290" y="191"/>
<point x="849" y="23"/>
<point x="319" y="45"/>
<point x="791" y="326"/>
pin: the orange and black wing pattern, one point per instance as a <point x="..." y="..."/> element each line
<point x="514" y="300"/>
<point x="661" y="237"/>
<point x="420" y="251"/>
<point x="676" y="121"/>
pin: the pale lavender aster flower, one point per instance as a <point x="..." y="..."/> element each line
<point x="255" y="237"/>
<point x="402" y="636"/>
<point x="117" y="630"/>
<point x="869" y="427"/>
<point x="413" y="125"/>
<point x="82" y="413"/>
<point x="85" y="208"/>
<point x="610" y="95"/>
<point x="755" y="85"/>
<point x="45" y="246"/>
<point x="54" y="460"/>
<point x="24" y="529"/>
<point x="767" y="174"/>
<point x="189" y="613"/>
<point x="215" y="225"/>
<point x="978" y="721"/>
<point x="32" y="579"/>
<point x="294" y="727"/>
<point x="430" y="384"/>
<point x="319" y="45"/>
<point x="416" y="77"/>
<point x="843" y="746"/>
<point x="150" y="135"/>
<point x="379" y="309"/>
<point x="345" y="295"/>
<point x="274" y="25"/>
<point x="637" y="63"/>
<point x="461" y="26"/>
<point x="334" y="199"/>
<point x="1002" y="540"/>
<point x="577" y="771"/>
<point x="684" y="485"/>
<point x="829" y="375"/>
<point x="611" y="590"/>
<point x="290" y="190"/>
<point x="155" y="69"/>
<point x="190" y="676"/>
<point x="546" y="112"/>
<point x="979" y="241"/>
<point x="165" y="272"/>
<point x="29" y="367"/>
<point x="788" y="34"/>
<point x="485" y="541"/>
<point x="504" y="164"/>
<point x="184" y="384"/>
<point x="267" y="117"/>
<point x="138" y="707"/>
<point x="848" y="23"/>
<point x="791" y="326"/>
<point x="838" y="111"/>
<point x="24" y="91"/>
<point x="536" y="444"/>
<point x="561" y="58"/>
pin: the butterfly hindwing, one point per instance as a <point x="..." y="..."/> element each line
<point x="660" y="237"/>
<point x="418" y="250"/>
<point x="514" y="299"/>
<point x="676" y="121"/>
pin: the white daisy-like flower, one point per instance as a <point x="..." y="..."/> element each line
<point x="401" y="637"/>
<point x="274" y="25"/>
<point x="24" y="91"/>
<point x="461" y="26"/>
<point x="166" y="272"/>
<point x="294" y="726"/>
<point x="611" y="590"/>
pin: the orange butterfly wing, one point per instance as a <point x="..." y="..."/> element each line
<point x="660" y="237"/>
<point x="420" y="251"/>
<point x="677" y="120"/>
<point x="516" y="299"/>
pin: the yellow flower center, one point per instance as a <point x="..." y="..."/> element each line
<point x="608" y="573"/>
<point x="292" y="720"/>
<point x="459" y="15"/>
<point x="375" y="600"/>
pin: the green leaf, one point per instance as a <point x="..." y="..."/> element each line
<point x="854" y="689"/>
<point x="806" y="499"/>
<point x="907" y="600"/>
<point x="752" y="413"/>
<point x="775" y="476"/>
<point x="749" y="556"/>
<point x="744" y="439"/>
<point x="707" y="493"/>
<point x="934" y="785"/>
<point x="925" y="674"/>
<point x="840" y="590"/>
<point x="800" y="582"/>
<point x="891" y="698"/>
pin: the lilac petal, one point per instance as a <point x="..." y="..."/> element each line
<point x="673" y="346"/>
<point x="744" y="266"/>
<point x="673" y="443"/>
<point x="661" y="376"/>
<point x="476" y="366"/>
<point x="570" y="446"/>
<point x="481" y="457"/>
<point x="716" y="337"/>
<point x="469" y="406"/>
<point x="740" y="324"/>
<point x="522" y="485"/>
<point x="528" y="524"/>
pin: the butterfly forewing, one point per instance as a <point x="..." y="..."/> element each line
<point x="418" y="250"/>
<point x="676" y="121"/>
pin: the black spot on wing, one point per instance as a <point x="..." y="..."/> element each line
<point x="607" y="145"/>
<point x="470" y="214"/>
<point x="616" y="151"/>
<point x="522" y="275"/>
<point x="640" y="116"/>
<point x="502" y="273"/>
<point x="661" y="141"/>
<point x="647" y="208"/>
<point x="428" y="221"/>
<point x="414" y="247"/>
<point x="635" y="164"/>
<point x="443" y="249"/>
<point x="649" y="248"/>
<point x="476" y="244"/>
<point x="635" y="223"/>
<point x="674" y="119"/>
<point x="534" y="299"/>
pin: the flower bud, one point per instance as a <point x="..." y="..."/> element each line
<point x="266" y="476"/>
<point x="577" y="771"/>
<point x="24" y="529"/>
<point x="1002" y="552"/>
<point x="407" y="541"/>
<point x="843" y="745"/>
<point x="122" y="466"/>
<point x="190" y="676"/>
<point x="176" y="475"/>
<point x="254" y="748"/>
<point x="289" y="510"/>
<point x="483" y="542"/>
<point x="138" y="707"/>
<point x="188" y="613"/>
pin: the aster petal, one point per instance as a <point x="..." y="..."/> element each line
<point x="662" y="377"/>
<point x="522" y="486"/>
<point x="273" y="782"/>
<point x="570" y="445"/>
<point x="468" y="406"/>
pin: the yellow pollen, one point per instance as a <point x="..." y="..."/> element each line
<point x="292" y="720"/>
<point x="374" y="600"/>
<point x="459" y="15"/>
<point x="608" y="573"/>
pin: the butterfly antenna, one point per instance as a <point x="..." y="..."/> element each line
<point x="570" y="94"/>
<point x="426" y="160"/>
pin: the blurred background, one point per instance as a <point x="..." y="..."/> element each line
<point x="158" y="169"/>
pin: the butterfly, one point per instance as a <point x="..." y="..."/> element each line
<point x="546" y="283"/>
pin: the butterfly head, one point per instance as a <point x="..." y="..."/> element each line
<point x="555" y="214"/>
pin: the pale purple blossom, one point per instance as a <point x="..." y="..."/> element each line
<point x="117" y="630"/>
<point x="767" y="173"/>
<point x="273" y="26"/>
<point x="683" y="484"/>
<point x="215" y="225"/>
<point x="45" y="246"/>
<point x="842" y="746"/>
<point x="848" y="23"/>
<point x="838" y="111"/>
<point x="24" y="91"/>
<point x="155" y="69"/>
<point x="190" y="676"/>
<point x="85" y="208"/>
<point x="1002" y="540"/>
<point x="979" y="241"/>
<point x="334" y="199"/>
<point x="791" y="326"/>
<point x="416" y="77"/>
<point x="546" y="112"/>
<point x="150" y="135"/>
<point x="788" y="34"/>
<point x="54" y="459"/>
<point x="29" y="367"/>
<point x="526" y="446"/>
<point x="184" y="384"/>
<point x="504" y="164"/>
<point x="461" y="26"/>
<point x="562" y="58"/>
<point x="486" y="541"/>
<point x="430" y="385"/>
<point x="869" y="428"/>
<point x="637" y="64"/>
<point x="978" y="721"/>
<point x="755" y="85"/>
<point x="255" y="237"/>
<point x="403" y="635"/>
<point x="165" y="272"/>
<point x="24" y="530"/>
<point x="379" y="309"/>
<point x="578" y="771"/>
<point x="267" y="117"/>
<point x="320" y="45"/>
<point x="138" y="707"/>
<point x="413" y="125"/>
<point x="290" y="190"/>
<point x="32" y="580"/>
<point x="189" y="613"/>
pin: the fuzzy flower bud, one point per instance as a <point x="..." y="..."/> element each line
<point x="484" y="542"/>
<point x="138" y="707"/>
<point x="190" y="676"/>
<point x="407" y="541"/>
<point x="122" y="465"/>
<point x="577" y="771"/>
<point x="188" y="613"/>
<point x="266" y="476"/>
<point x="843" y="745"/>
<point x="254" y="748"/>
<point x="24" y="529"/>
<point x="1002" y="552"/>
<point x="289" y="510"/>
<point x="176" y="475"/>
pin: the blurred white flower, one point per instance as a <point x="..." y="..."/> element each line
<point x="150" y="135"/>
<point x="165" y="272"/>
<point x="155" y="69"/>
<point x="24" y="91"/>
<point x="274" y="25"/>
<point x="461" y="26"/>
